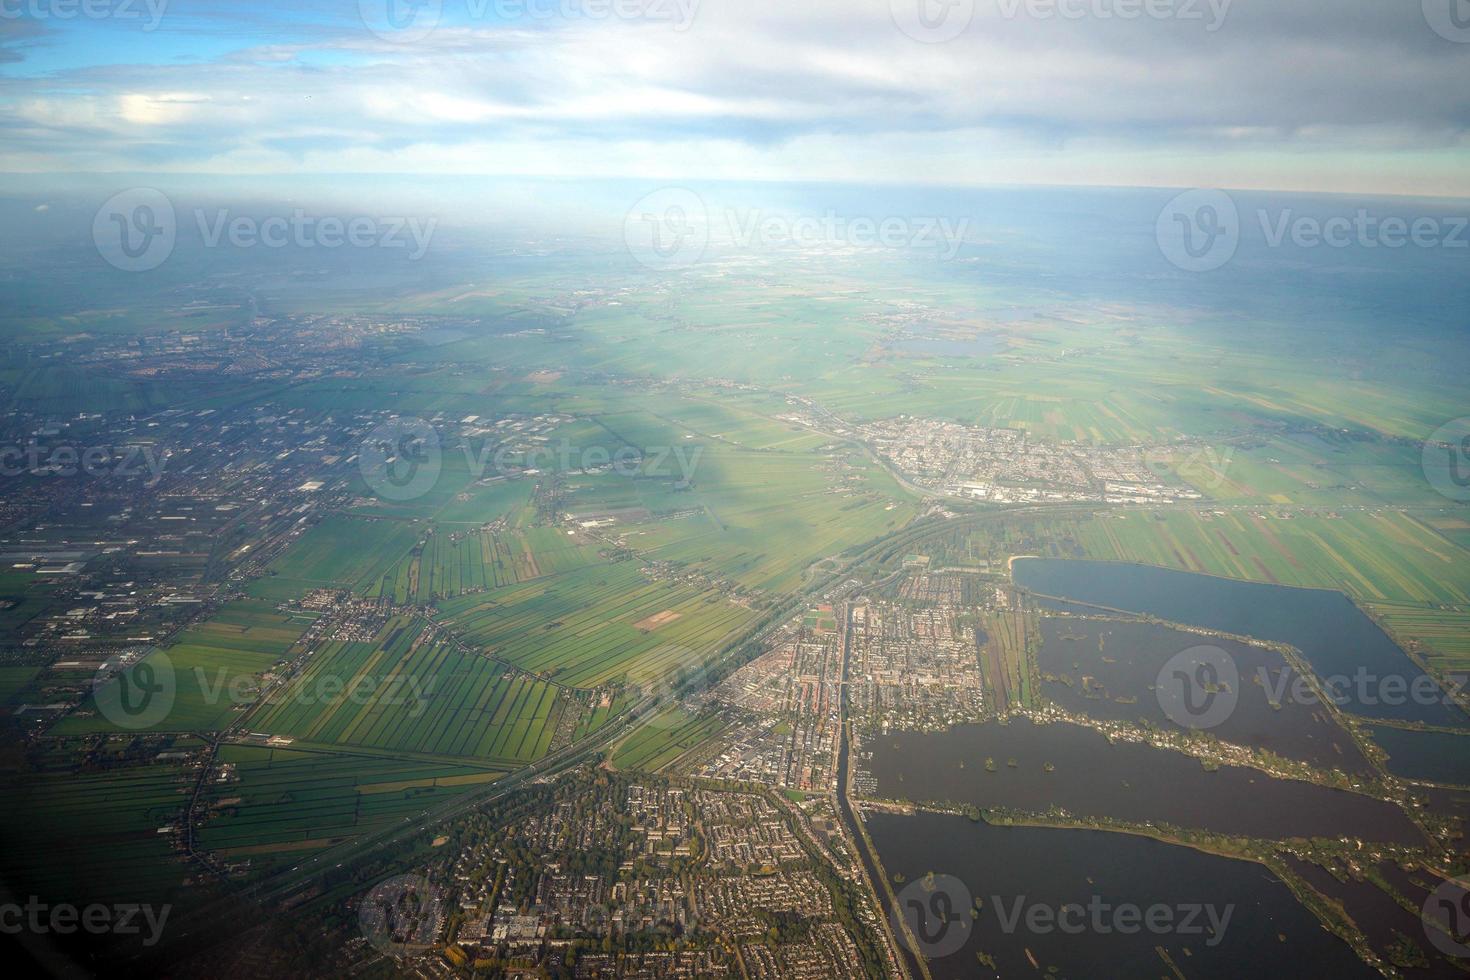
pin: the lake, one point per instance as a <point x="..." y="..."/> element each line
<point x="1267" y="933"/>
<point x="1435" y="757"/>
<point x="1130" y="781"/>
<point x="1334" y="636"/>
<point x="1109" y="669"/>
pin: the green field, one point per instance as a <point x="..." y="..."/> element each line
<point x="409" y="693"/>
<point x="278" y="803"/>
<point x="215" y="669"/>
<point x="597" y="624"/>
<point x="664" y="738"/>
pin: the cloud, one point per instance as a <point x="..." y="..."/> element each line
<point x="762" y="88"/>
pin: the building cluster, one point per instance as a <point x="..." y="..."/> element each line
<point x="915" y="665"/>
<point x="715" y="880"/>
<point x="793" y="692"/>
<point x="1007" y="466"/>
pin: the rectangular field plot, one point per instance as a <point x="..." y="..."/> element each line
<point x="68" y="835"/>
<point x="274" y="804"/>
<point x="413" y="693"/>
<point x="345" y="552"/>
<point x="212" y="671"/>
<point x="667" y="736"/>
<point x="581" y="628"/>
<point x="453" y="563"/>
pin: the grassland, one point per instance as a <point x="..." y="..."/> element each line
<point x="664" y="738"/>
<point x="1400" y="569"/>
<point x="581" y="628"/>
<point x="277" y="803"/>
<point x="106" y="822"/>
<point x="449" y="565"/>
<point x="410" y="692"/>
<point x="215" y="669"/>
<point x="345" y="551"/>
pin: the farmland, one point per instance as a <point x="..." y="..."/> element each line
<point x="109" y="820"/>
<point x="215" y="669"/>
<point x="449" y="564"/>
<point x="1397" y="567"/>
<point x="580" y="628"/>
<point x="273" y="804"/>
<point x="415" y="693"/>
<point x="666" y="736"/>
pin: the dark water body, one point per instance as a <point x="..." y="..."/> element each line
<point x="1127" y="781"/>
<point x="1268" y="934"/>
<point x="1435" y="757"/>
<point x="1334" y="636"/>
<point x="1111" y="670"/>
<point x="1381" y="918"/>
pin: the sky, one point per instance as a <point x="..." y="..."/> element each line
<point x="1353" y="96"/>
